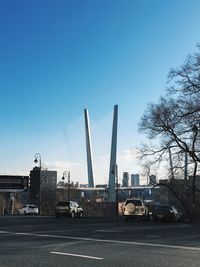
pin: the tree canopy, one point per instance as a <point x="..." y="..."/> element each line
<point x="175" y="119"/>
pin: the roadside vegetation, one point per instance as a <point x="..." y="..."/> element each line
<point x="172" y="126"/>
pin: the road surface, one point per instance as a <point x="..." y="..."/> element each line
<point x="48" y="241"/>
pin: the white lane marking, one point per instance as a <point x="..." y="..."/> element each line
<point x="106" y="241"/>
<point x="76" y="255"/>
<point x="108" y="231"/>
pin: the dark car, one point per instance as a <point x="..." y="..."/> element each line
<point x="165" y="213"/>
<point x="68" y="209"/>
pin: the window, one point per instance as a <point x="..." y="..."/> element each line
<point x="62" y="204"/>
<point x="76" y="205"/>
<point x="136" y="202"/>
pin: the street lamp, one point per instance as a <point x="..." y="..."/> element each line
<point x="66" y="174"/>
<point x="38" y="159"/>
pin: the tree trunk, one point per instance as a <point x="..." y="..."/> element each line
<point x="194" y="191"/>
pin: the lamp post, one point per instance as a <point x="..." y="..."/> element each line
<point x="38" y="159"/>
<point x="66" y="174"/>
<point x="117" y="192"/>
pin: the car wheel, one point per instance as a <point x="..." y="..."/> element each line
<point x="24" y="212"/>
<point x="155" y="219"/>
<point x="146" y="217"/>
<point x="127" y="218"/>
<point x="73" y="214"/>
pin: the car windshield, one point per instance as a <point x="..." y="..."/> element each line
<point x="163" y="207"/>
<point x="32" y="207"/>
<point x="61" y="204"/>
<point x="136" y="202"/>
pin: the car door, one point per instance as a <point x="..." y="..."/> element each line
<point x="72" y="207"/>
<point x="23" y="209"/>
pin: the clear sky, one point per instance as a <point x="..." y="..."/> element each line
<point x="59" y="57"/>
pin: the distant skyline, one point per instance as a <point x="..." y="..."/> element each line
<point x="59" y="57"/>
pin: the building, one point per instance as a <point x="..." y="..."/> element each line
<point x="152" y="179"/>
<point x="83" y="186"/>
<point x="145" y="192"/>
<point x="101" y="186"/>
<point x="135" y="180"/>
<point x="42" y="191"/>
<point x="12" y="187"/>
<point x="125" y="179"/>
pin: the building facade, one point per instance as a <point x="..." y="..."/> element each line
<point x="135" y="180"/>
<point x="125" y="179"/>
<point x="42" y="190"/>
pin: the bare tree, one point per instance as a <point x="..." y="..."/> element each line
<point x="174" y="122"/>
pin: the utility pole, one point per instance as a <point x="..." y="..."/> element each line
<point x="115" y="174"/>
<point x="68" y="186"/>
<point x="67" y="174"/>
<point x="117" y="190"/>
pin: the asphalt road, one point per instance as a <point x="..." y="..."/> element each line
<point x="48" y="241"/>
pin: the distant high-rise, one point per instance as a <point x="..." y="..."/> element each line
<point x="135" y="180"/>
<point x="152" y="179"/>
<point x="89" y="150"/>
<point x="125" y="180"/>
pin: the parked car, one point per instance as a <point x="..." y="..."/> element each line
<point x="68" y="209"/>
<point x="28" y="209"/>
<point x="135" y="207"/>
<point x="165" y="213"/>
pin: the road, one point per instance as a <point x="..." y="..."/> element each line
<point x="48" y="241"/>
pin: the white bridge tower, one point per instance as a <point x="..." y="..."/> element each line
<point x="88" y="150"/>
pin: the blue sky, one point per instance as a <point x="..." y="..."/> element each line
<point x="59" y="57"/>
